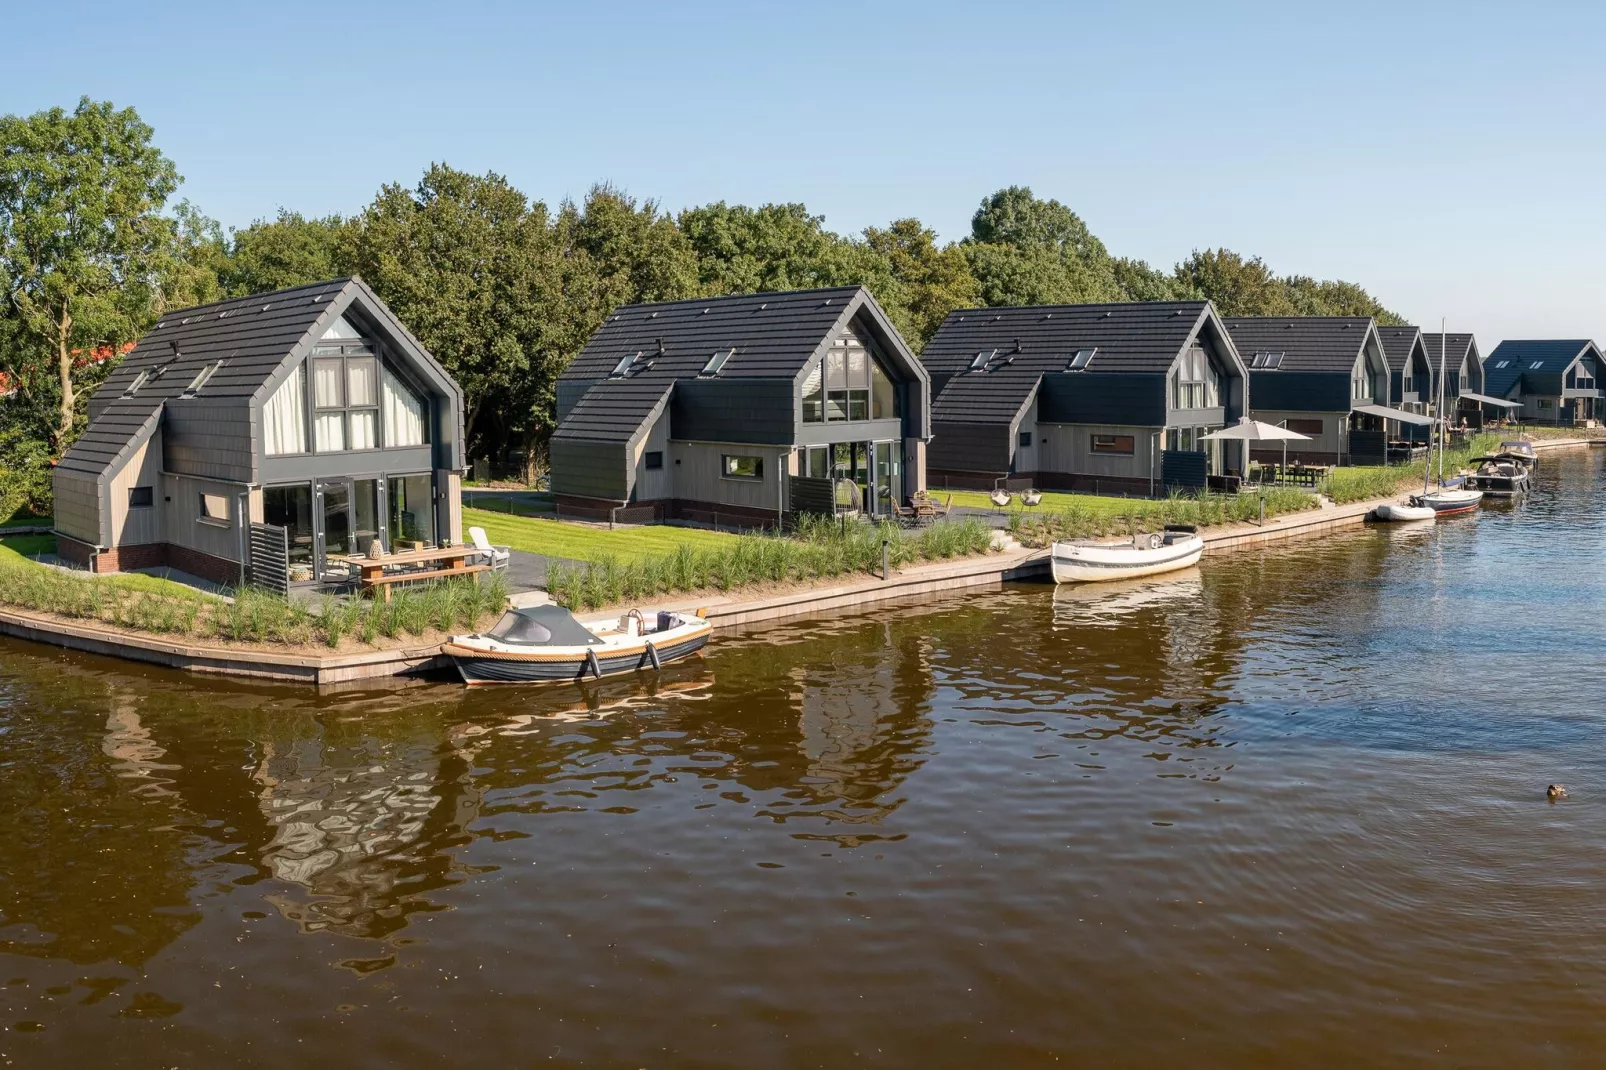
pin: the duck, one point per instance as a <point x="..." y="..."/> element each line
<point x="1556" y="791"/>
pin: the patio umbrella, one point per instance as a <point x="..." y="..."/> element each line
<point x="1247" y="430"/>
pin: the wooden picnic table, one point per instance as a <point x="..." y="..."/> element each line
<point x="372" y="577"/>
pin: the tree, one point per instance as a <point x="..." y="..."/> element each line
<point x="290" y="250"/>
<point x="1238" y="286"/>
<point x="84" y="248"/>
<point x="928" y="281"/>
<point x="1026" y="251"/>
<point x="637" y="253"/>
<point x="1140" y="282"/>
<point x="1336" y="298"/>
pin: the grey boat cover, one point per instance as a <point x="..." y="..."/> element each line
<point x="542" y="626"/>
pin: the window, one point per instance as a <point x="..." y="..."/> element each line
<point x="1305" y="427"/>
<point x="1194" y="383"/>
<point x="858" y="383"/>
<point x="885" y="398"/>
<point x="1114" y="444"/>
<point x="1405" y="383"/>
<point x="980" y="360"/>
<point x="1080" y="360"/>
<point x="836" y="385"/>
<point x="214" y="507"/>
<point x="739" y="467"/>
<point x="653" y="460"/>
<point x="405" y="411"/>
<point x="1266" y="361"/>
<point x="140" y="497"/>
<point x="1024" y="438"/>
<point x="1536" y="364"/>
<point x="1501" y="363"/>
<point x="1546" y="403"/>
<point x="849" y="384"/>
<point x="284" y="417"/>
<point x="412" y="510"/>
<point x="814" y="395"/>
<point x="717" y="361"/>
<point x="200" y="378"/>
<point x="817" y="462"/>
<point x="626" y="365"/>
<point x="139" y="381"/>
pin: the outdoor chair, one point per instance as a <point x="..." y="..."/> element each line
<point x="495" y="556"/>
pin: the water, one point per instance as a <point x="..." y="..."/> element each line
<point x="1286" y="811"/>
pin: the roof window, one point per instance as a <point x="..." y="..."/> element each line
<point x="1501" y="363"/>
<point x="1266" y="361"/>
<point x="139" y="381"/>
<point x="717" y="361"/>
<point x="1536" y="364"/>
<point x="981" y="359"/>
<point x="1081" y="359"/>
<point x="201" y="377"/>
<point x="627" y="364"/>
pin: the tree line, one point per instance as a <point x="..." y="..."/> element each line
<point x="503" y="289"/>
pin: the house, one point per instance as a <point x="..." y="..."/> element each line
<point x="741" y="410"/>
<point x="1326" y="377"/>
<point x="310" y="409"/>
<point x="1411" y="382"/>
<point x="1095" y="397"/>
<point x="1554" y="381"/>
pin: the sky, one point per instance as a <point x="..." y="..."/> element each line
<point x="1448" y="157"/>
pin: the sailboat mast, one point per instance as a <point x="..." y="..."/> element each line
<point x="1444" y="427"/>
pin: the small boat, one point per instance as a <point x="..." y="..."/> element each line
<point x="1521" y="447"/>
<point x="1501" y="475"/>
<point x="545" y="643"/>
<point x="1400" y="512"/>
<point x="1146" y="555"/>
<point x="1448" y="501"/>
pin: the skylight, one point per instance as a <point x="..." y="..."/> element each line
<point x="717" y="361"/>
<point x="626" y="362"/>
<point x="1501" y="363"/>
<point x="1266" y="361"/>
<point x="1081" y="359"/>
<point x="201" y="377"/>
<point x="139" y="381"/>
<point x="1536" y="364"/>
<point x="981" y="359"/>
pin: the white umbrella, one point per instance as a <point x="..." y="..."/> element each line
<point x="1247" y="430"/>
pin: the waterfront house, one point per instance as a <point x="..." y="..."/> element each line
<point x="1463" y="370"/>
<point x="1083" y="397"/>
<point x="1411" y="384"/>
<point x="1326" y="377"/>
<point x="741" y="409"/>
<point x="1555" y="381"/>
<point x="310" y="409"/>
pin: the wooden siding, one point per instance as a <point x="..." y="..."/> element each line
<point x="697" y="472"/>
<point x="654" y="484"/>
<point x="1065" y="447"/>
<point x="130" y="526"/>
<point x="450" y="514"/>
<point x="183" y="523"/>
<point x="583" y="468"/>
<point x="78" y="511"/>
<point x="1332" y="439"/>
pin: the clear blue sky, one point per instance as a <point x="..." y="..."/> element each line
<point x="1446" y="156"/>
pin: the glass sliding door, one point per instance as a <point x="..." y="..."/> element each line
<point x="411" y="503"/>
<point x="335" y="532"/>
<point x="888" y="477"/>
<point x="366" y="529"/>
<point x="291" y="509"/>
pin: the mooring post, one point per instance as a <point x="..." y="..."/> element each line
<point x="885" y="558"/>
<point x="1263" y="510"/>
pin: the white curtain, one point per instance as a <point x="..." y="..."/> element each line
<point x="284" y="416"/>
<point x="329" y="432"/>
<point x="404" y="414"/>
<point x="363" y="430"/>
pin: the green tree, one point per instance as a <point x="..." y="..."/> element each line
<point x="290" y="250"/>
<point x="928" y="281"/>
<point x="1336" y="298"/>
<point x="1140" y="282"/>
<point x="1239" y="286"/>
<point x="1027" y="251"/>
<point x="84" y="246"/>
<point x="774" y="247"/>
<point x="637" y="253"/>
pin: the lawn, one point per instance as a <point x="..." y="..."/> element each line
<point x="583" y="542"/>
<point x="15" y="549"/>
<point x="1053" y="502"/>
<point x="23" y="520"/>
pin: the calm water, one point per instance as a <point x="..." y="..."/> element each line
<point x="1286" y="811"/>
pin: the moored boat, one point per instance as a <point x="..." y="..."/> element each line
<point x="1147" y="554"/>
<point x="1521" y="447"/>
<point x="1402" y="512"/>
<point x="1501" y="475"/>
<point x="1448" y="501"/>
<point x="545" y="644"/>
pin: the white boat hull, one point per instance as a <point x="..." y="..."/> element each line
<point x="1080" y="562"/>
<point x="1394" y="512"/>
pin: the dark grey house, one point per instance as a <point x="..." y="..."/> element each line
<point x="312" y="409"/>
<point x="1324" y="376"/>
<point x="1555" y="381"/>
<point x="1464" y="396"/>
<point x="1083" y="396"/>
<point x="1411" y="385"/>
<point x="732" y="407"/>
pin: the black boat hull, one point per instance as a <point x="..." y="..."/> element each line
<point x="519" y="670"/>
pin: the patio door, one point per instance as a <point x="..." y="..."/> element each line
<point x="334" y="530"/>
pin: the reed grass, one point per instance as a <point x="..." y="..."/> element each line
<point x="252" y="615"/>
<point x="819" y="548"/>
<point x="1358" y="484"/>
<point x="1076" y="521"/>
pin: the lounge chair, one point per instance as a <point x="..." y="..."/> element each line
<point x="495" y="556"/>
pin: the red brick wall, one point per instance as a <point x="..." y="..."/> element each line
<point x="216" y="569"/>
<point x="148" y="555"/>
<point x="128" y="558"/>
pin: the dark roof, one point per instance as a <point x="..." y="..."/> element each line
<point x="1308" y="343"/>
<point x="774" y="336"/>
<point x="1456" y="348"/>
<point x="1400" y="343"/>
<point x="1141" y="338"/>
<point x="1553" y="355"/>
<point x="116" y="433"/>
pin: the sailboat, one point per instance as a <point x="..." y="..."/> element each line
<point x="1444" y="500"/>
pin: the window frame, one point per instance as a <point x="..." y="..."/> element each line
<point x="1023" y="439"/>
<point x="1112" y="448"/>
<point x="204" y="507"/>
<point x="652" y="460"/>
<point x="149" y="496"/>
<point x="726" y="467"/>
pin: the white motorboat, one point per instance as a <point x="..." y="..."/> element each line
<point x="545" y="643"/>
<point x="1400" y="512"/>
<point x="1147" y="554"/>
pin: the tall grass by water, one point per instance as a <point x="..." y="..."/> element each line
<point x="253" y="615"/>
<point x="1076" y="521"/>
<point x="820" y="548"/>
<point x="1358" y="484"/>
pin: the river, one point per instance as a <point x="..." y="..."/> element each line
<point x="1288" y="810"/>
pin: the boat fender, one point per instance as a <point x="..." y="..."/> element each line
<point x="702" y="612"/>
<point x="593" y="664"/>
<point x="652" y="656"/>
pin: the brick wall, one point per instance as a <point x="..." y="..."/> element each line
<point x="147" y="555"/>
<point x="74" y="552"/>
<point x="216" y="569"/>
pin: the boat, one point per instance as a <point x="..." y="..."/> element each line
<point x="1448" y="501"/>
<point x="1148" y="554"/>
<point x="1501" y="475"/>
<point x="1451" y="496"/>
<point x="545" y="643"/>
<point x="1520" y="447"/>
<point x="1402" y="512"/>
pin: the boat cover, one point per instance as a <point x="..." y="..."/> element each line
<point x="543" y="626"/>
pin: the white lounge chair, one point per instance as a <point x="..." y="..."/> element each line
<point x="496" y="556"/>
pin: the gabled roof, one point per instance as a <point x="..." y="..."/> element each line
<point x="774" y="336"/>
<point x="1457" y="347"/>
<point x="1531" y="358"/>
<point x="1400" y="344"/>
<point x="253" y="336"/>
<point x="111" y="439"/>
<point x="1132" y="338"/>
<point x="1308" y="343"/>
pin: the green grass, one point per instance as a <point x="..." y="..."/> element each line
<point x="16" y="548"/>
<point x="584" y="542"/>
<point x="1361" y="482"/>
<point x="25" y="520"/>
<point x="1053" y="501"/>
<point x="1076" y="520"/>
<point x="821" y="548"/>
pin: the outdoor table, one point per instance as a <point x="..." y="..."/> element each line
<point x="453" y="561"/>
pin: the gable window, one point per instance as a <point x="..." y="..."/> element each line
<point x="1360" y="384"/>
<point x="1124" y="444"/>
<point x="1406" y="383"/>
<point x="140" y="497"/>
<point x="345" y="391"/>
<point x="814" y="395"/>
<point x="1194" y="384"/>
<point x="734" y="466"/>
<point x="405" y="413"/>
<point x="653" y="460"/>
<point x="849" y="384"/>
<point x="284" y="423"/>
